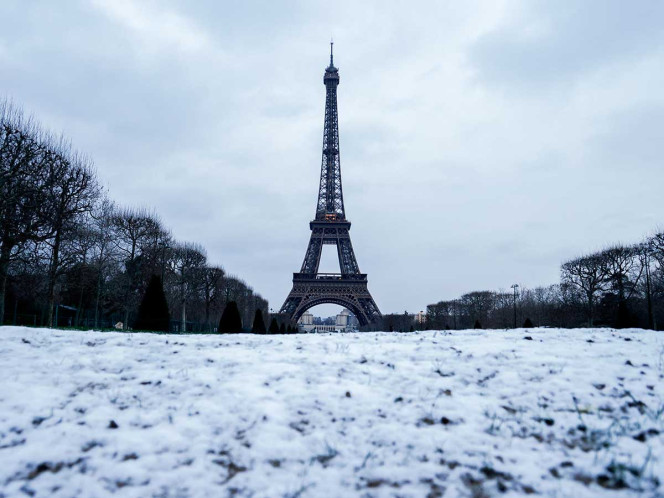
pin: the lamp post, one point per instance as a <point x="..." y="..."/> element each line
<point x="515" y="287"/>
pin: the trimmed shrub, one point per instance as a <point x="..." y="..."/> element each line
<point x="153" y="312"/>
<point x="259" y="324"/>
<point x="230" y="322"/>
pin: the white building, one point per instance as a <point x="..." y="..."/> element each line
<point x="306" y="319"/>
<point x="344" y="322"/>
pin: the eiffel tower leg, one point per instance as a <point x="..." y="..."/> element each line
<point x="312" y="257"/>
<point x="347" y="261"/>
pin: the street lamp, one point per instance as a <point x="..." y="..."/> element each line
<point x="515" y="287"/>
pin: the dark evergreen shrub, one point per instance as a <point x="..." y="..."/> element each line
<point x="528" y="324"/>
<point x="282" y="328"/>
<point x="274" y="326"/>
<point x="259" y="324"/>
<point x="622" y="318"/>
<point x="153" y="312"/>
<point x="230" y="322"/>
<point x="478" y="325"/>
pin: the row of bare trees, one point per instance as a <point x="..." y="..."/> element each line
<point x="620" y="286"/>
<point x="69" y="256"/>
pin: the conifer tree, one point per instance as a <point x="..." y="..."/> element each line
<point x="274" y="326"/>
<point x="230" y="322"/>
<point x="478" y="325"/>
<point x="282" y="329"/>
<point x="153" y="312"/>
<point x="259" y="324"/>
<point x="528" y="324"/>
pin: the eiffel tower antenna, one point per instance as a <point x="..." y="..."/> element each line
<point x="330" y="226"/>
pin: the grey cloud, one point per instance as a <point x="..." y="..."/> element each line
<point x="481" y="143"/>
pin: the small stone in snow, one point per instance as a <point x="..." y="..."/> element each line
<point x="528" y="338"/>
<point x="348" y="394"/>
<point x="112" y="425"/>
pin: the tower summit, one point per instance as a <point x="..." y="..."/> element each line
<point x="330" y="194"/>
<point x="330" y="226"/>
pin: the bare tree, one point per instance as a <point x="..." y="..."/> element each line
<point x="644" y="252"/>
<point x="477" y="306"/>
<point x="212" y="282"/>
<point x="25" y="156"/>
<point x="188" y="262"/>
<point x="72" y="191"/>
<point x="622" y="269"/>
<point x="588" y="274"/>
<point x="103" y="254"/>
<point x="134" y="230"/>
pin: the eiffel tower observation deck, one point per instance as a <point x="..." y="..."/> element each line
<point x="330" y="226"/>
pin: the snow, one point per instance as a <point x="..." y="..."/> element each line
<point x="464" y="413"/>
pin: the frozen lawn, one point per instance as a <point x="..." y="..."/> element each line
<point x="471" y="413"/>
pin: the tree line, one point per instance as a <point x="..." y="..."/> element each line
<point x="69" y="256"/>
<point x="620" y="286"/>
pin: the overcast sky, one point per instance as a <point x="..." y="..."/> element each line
<point x="482" y="143"/>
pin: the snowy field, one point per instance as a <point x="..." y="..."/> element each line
<point x="473" y="413"/>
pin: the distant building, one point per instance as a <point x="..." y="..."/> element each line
<point x="342" y="319"/>
<point x="306" y="319"/>
<point x="344" y="322"/>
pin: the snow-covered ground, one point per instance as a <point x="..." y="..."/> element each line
<point x="469" y="413"/>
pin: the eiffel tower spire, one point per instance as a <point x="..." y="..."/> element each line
<point x="330" y="226"/>
<point x="330" y="193"/>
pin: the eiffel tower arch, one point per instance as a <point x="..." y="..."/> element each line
<point x="330" y="226"/>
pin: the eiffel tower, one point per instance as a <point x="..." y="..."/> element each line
<point x="348" y="288"/>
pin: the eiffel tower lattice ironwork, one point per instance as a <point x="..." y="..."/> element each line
<point x="348" y="288"/>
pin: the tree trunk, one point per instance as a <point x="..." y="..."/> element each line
<point x="183" y="319"/>
<point x="52" y="274"/>
<point x="79" y="309"/>
<point x="651" y="317"/>
<point x="97" y="299"/>
<point x="4" y="270"/>
<point x="207" y="314"/>
<point x="130" y="276"/>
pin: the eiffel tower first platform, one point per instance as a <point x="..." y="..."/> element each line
<point x="348" y="288"/>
